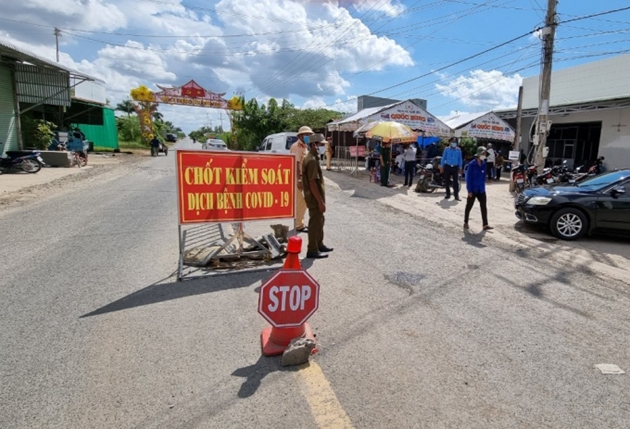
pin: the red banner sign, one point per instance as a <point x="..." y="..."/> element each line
<point x="224" y="186"/>
<point x="353" y="151"/>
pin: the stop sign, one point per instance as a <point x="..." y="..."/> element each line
<point x="288" y="298"/>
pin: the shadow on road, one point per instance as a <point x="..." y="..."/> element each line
<point x="255" y="373"/>
<point x="474" y="239"/>
<point x="161" y="292"/>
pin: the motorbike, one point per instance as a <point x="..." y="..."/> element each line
<point x="519" y="178"/>
<point x="430" y="177"/>
<point x="28" y="161"/>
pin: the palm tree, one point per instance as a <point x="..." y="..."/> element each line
<point x="157" y="116"/>
<point x="126" y="106"/>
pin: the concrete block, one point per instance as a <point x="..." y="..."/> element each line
<point x="57" y="158"/>
<point x="298" y="352"/>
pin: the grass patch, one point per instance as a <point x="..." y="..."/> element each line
<point x="131" y="145"/>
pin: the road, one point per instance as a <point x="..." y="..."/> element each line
<point x="420" y="326"/>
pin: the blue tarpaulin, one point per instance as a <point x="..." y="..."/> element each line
<point x="426" y="141"/>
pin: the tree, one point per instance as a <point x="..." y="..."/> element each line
<point x="157" y="116"/>
<point x="126" y="106"/>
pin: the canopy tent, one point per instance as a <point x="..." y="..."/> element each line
<point x="405" y="112"/>
<point x="485" y="125"/>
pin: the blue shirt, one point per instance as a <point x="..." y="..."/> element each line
<point x="476" y="177"/>
<point x="452" y="156"/>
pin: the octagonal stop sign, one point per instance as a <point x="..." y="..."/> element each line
<point x="288" y="298"/>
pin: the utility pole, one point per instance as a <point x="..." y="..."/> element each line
<point x="517" y="136"/>
<point x="57" y="35"/>
<point x="543" y="124"/>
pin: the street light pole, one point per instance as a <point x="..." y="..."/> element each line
<point x="543" y="124"/>
<point x="57" y="34"/>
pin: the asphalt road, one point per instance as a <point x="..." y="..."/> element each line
<point x="418" y="325"/>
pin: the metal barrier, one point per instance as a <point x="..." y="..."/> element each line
<point x="342" y="161"/>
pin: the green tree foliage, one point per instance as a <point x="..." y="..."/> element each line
<point x="38" y="132"/>
<point x="256" y="121"/>
<point x="128" y="128"/>
<point x="126" y="106"/>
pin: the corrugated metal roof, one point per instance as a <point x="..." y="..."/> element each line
<point x="606" y="79"/>
<point x="34" y="84"/>
<point x="362" y="114"/>
<point x="10" y="50"/>
<point x="461" y="119"/>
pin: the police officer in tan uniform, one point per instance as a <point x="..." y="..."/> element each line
<point x="299" y="149"/>
<point x="329" y="152"/>
<point x="315" y="196"/>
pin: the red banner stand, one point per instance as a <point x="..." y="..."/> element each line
<point x="275" y="340"/>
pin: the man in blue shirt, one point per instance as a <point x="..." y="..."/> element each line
<point x="451" y="167"/>
<point x="476" y="186"/>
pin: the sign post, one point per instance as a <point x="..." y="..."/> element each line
<point x="286" y="300"/>
<point x="226" y="186"/>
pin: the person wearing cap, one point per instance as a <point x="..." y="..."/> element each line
<point x="315" y="196"/>
<point x="329" y="152"/>
<point x="300" y="149"/>
<point x="451" y="167"/>
<point x="490" y="161"/>
<point x="476" y="186"/>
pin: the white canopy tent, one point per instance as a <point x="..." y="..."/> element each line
<point x="405" y="112"/>
<point x="480" y="125"/>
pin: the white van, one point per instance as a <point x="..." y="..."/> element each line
<point x="214" y="144"/>
<point x="281" y="143"/>
<point x="278" y="143"/>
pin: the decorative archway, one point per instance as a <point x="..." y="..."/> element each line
<point x="189" y="94"/>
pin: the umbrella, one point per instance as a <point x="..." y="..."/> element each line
<point x="390" y="132"/>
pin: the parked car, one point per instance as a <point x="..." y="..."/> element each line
<point x="599" y="204"/>
<point x="278" y="143"/>
<point x="214" y="144"/>
<point x="282" y="142"/>
<point x="171" y="138"/>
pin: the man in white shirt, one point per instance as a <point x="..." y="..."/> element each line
<point x="490" y="160"/>
<point x="400" y="162"/>
<point x="410" y="164"/>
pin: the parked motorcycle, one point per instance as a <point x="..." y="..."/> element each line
<point x="28" y="161"/>
<point x="430" y="177"/>
<point x="519" y="178"/>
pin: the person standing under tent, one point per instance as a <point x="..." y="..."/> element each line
<point x="386" y="162"/>
<point x="329" y="152"/>
<point x="499" y="165"/>
<point x="410" y="164"/>
<point x="491" y="160"/>
<point x="300" y="149"/>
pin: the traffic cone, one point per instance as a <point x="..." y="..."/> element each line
<point x="275" y="340"/>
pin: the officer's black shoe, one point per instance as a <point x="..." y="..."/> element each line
<point x="316" y="255"/>
<point x="326" y="249"/>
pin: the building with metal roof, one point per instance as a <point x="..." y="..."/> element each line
<point x="589" y="109"/>
<point x="34" y="87"/>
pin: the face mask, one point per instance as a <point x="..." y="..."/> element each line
<point x="306" y="139"/>
<point x="482" y="157"/>
<point x="453" y="144"/>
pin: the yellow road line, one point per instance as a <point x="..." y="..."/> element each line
<point x="324" y="404"/>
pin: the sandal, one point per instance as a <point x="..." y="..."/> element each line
<point x="466" y="226"/>
<point x="303" y="229"/>
<point x="488" y="228"/>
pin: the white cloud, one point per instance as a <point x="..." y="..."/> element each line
<point x="314" y="103"/>
<point x="308" y="49"/>
<point x="389" y="8"/>
<point x="349" y="105"/>
<point x="485" y="90"/>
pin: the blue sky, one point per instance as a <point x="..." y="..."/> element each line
<point x="315" y="53"/>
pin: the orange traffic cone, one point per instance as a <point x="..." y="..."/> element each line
<point x="275" y="340"/>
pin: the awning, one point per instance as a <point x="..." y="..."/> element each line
<point x="480" y="125"/>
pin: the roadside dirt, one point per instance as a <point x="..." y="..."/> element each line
<point x="102" y="168"/>
<point x="601" y="256"/>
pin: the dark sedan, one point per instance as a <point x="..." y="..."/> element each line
<point x="599" y="204"/>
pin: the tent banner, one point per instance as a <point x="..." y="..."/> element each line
<point x="414" y="117"/>
<point x="489" y="126"/>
